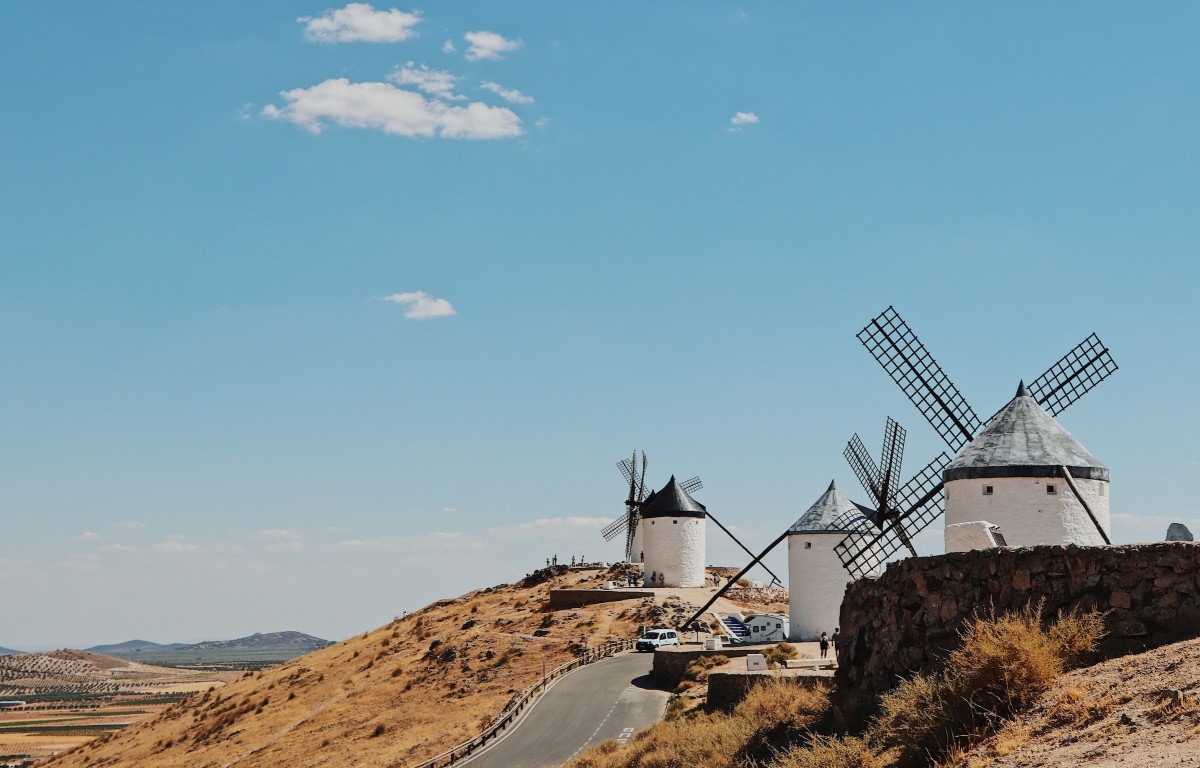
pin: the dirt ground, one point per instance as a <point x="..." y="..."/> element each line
<point x="1139" y="711"/>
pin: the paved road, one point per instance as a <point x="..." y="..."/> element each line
<point x="605" y="700"/>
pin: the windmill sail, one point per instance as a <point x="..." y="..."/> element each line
<point x="894" y="345"/>
<point x="1073" y="376"/>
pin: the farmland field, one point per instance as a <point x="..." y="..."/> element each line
<point x="71" y="697"/>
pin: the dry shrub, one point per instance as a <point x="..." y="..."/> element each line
<point x="713" y="741"/>
<point x="698" y="669"/>
<point x="1176" y="705"/>
<point x="842" y="752"/>
<point x="779" y="653"/>
<point x="1004" y="664"/>
<point x="1079" y="705"/>
<point x="780" y="702"/>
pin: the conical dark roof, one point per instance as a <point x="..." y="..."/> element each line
<point x="832" y="513"/>
<point x="672" y="501"/>
<point x="1022" y="440"/>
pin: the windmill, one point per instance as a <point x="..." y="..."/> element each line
<point x="916" y="502"/>
<point x="628" y="522"/>
<point x="902" y="355"/>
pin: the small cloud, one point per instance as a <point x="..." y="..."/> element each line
<point x="360" y="23"/>
<point x="129" y="524"/>
<point x="384" y="107"/>
<point x="247" y="111"/>
<point x="435" y="82"/>
<point x="90" y="536"/>
<point x="284" y="546"/>
<point x="541" y="123"/>
<point x="277" y="533"/>
<point x="448" y="47"/>
<point x="448" y="510"/>
<point x="489" y="46"/>
<point x="115" y="548"/>
<point x="422" y="306"/>
<point x="552" y="528"/>
<point x="743" y="118"/>
<point x="171" y="545"/>
<point x="508" y="94"/>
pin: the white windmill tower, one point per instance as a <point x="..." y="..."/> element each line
<point x="673" y="531"/>
<point x="1027" y="475"/>
<point x="1016" y="446"/>
<point x="816" y="577"/>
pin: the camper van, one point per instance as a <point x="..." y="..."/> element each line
<point x="766" y="627"/>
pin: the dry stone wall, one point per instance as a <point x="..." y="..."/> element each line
<point x="908" y="619"/>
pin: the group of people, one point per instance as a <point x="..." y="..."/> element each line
<point x="826" y="639"/>
<point x="553" y="560"/>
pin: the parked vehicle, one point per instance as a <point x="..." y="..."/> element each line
<point x="657" y="638"/>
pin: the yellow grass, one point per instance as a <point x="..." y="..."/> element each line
<point x="392" y="696"/>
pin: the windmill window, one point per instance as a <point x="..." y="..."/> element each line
<point x="808" y="545"/>
<point x="1050" y="488"/>
<point x="676" y="522"/>
<point x="987" y="490"/>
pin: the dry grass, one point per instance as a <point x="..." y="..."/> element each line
<point x="717" y="740"/>
<point x="844" y="752"/>
<point x="1080" y="705"/>
<point x="392" y="696"/>
<point x="1004" y="664"/>
<point x="779" y="653"/>
<point x="783" y="703"/>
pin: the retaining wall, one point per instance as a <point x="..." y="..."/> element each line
<point x="908" y="619"/>
<point x="577" y="598"/>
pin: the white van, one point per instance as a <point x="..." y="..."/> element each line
<point x="657" y="638"/>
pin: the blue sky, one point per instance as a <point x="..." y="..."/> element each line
<point x="216" y="422"/>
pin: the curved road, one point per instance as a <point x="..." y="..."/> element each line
<point x="606" y="700"/>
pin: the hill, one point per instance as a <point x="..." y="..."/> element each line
<point x="7" y="651"/>
<point x="131" y="646"/>
<point x="1137" y="712"/>
<point x="251" y="652"/>
<point x="291" y="641"/>
<point x="394" y="695"/>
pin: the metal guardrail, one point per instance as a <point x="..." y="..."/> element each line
<point x="527" y="697"/>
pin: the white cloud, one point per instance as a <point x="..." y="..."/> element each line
<point x="436" y="82"/>
<point x="743" y="118"/>
<point x="384" y="107"/>
<point x="115" y="548"/>
<point x="449" y="510"/>
<point x="360" y="22"/>
<point x="508" y="94"/>
<point x="448" y="47"/>
<point x="174" y="546"/>
<point x="421" y="543"/>
<point x="542" y="123"/>
<point x="277" y="533"/>
<point x="130" y="524"/>
<point x="488" y="45"/>
<point x="422" y="306"/>
<point x="90" y="536"/>
<point x="552" y="528"/>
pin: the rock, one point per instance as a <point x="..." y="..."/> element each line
<point x="1120" y="599"/>
<point x="1178" y="532"/>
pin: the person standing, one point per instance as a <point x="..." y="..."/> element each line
<point x="837" y="640"/>
<point x="824" y="645"/>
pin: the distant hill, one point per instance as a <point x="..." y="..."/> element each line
<point x="8" y="652"/>
<point x="290" y="641"/>
<point x="131" y="646"/>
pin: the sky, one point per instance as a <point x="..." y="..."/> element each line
<point x="312" y="314"/>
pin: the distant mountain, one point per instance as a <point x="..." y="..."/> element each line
<point x="286" y="644"/>
<point x="8" y="652"/>
<point x="132" y="646"/>
<point x="291" y="641"/>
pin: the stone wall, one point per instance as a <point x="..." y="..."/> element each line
<point x="671" y="662"/>
<point x="908" y="619"/>
<point x="576" y="598"/>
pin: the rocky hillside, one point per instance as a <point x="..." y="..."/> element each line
<point x="1139" y="711"/>
<point x="395" y="695"/>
